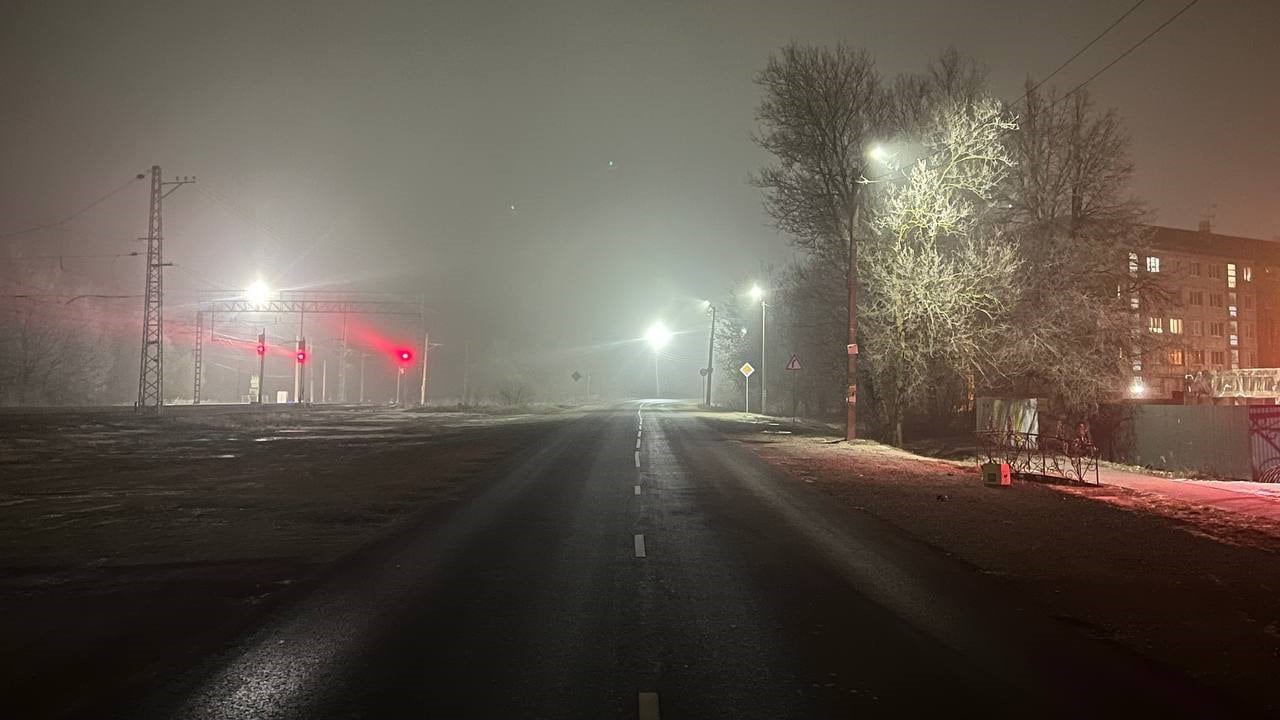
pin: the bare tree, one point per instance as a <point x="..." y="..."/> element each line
<point x="730" y="350"/>
<point x="1076" y="227"/>
<point x="821" y="108"/>
<point x="514" y="392"/>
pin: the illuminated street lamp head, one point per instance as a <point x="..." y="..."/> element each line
<point x="657" y="336"/>
<point x="756" y="292"/>
<point x="878" y="153"/>
<point x="258" y="293"/>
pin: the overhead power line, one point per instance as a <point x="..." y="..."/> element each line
<point x="74" y="215"/>
<point x="1082" y="50"/>
<point x="1133" y="47"/>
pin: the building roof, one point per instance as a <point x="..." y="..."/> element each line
<point x="1202" y="242"/>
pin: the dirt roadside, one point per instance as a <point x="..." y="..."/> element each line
<point x="1191" y="588"/>
<point x="129" y="549"/>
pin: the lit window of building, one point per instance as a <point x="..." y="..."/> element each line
<point x="1175" y="326"/>
<point x="1246" y="273"/>
<point x="1175" y="356"/>
<point x="1153" y="264"/>
<point x="1155" y="324"/>
<point x="1133" y="303"/>
<point x="1133" y="263"/>
<point x="1231" y="275"/>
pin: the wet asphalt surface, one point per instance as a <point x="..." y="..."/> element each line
<point x="717" y="590"/>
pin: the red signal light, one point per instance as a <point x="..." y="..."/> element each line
<point x="262" y="349"/>
<point x="404" y="355"/>
<point x="302" y="357"/>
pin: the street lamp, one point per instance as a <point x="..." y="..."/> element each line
<point x="657" y="336"/>
<point x="258" y="293"/>
<point x="757" y="294"/>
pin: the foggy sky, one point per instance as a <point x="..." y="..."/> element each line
<point x="380" y="146"/>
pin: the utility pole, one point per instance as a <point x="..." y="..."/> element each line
<point x="426" y="359"/>
<point x="362" y="357"/>
<point x="197" y="361"/>
<point x="324" y="381"/>
<point x="311" y="384"/>
<point x="657" y="380"/>
<point x="342" y="364"/>
<point x="764" y="362"/>
<point x="851" y="399"/>
<point x="151" y="363"/>
<point x="711" y="344"/>
<point x="466" y="369"/>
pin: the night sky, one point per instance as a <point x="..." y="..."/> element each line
<point x="381" y="146"/>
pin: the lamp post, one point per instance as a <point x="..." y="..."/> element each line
<point x="758" y="294"/>
<point x="711" y="344"/>
<point x="657" y="336"/>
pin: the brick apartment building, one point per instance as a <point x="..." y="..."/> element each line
<point x="1225" y="307"/>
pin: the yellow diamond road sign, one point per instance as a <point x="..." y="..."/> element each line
<point x="746" y="369"/>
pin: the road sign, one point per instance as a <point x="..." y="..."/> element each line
<point x="704" y="371"/>
<point x="576" y="376"/>
<point x="746" y="369"/>
<point x="794" y="363"/>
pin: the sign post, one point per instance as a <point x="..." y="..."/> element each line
<point x="746" y="371"/>
<point x="793" y="365"/>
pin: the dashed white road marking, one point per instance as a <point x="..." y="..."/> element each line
<point x="649" y="706"/>
<point x="637" y="489"/>
<point x="637" y="458"/>
<point x="637" y="443"/>
<point x="640" y="546"/>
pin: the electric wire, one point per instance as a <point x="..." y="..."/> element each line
<point x="1133" y="47"/>
<point x="74" y="215"/>
<point x="1082" y="50"/>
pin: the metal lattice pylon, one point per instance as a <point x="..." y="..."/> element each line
<point x="151" y="369"/>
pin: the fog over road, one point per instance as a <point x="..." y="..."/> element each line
<point x="685" y="578"/>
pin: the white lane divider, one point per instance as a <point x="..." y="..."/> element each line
<point x="640" y="546"/>
<point x="637" y="443"/>
<point x="649" y="706"/>
<point x="637" y="489"/>
<point x="637" y="458"/>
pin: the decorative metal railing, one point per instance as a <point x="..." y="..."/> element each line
<point x="1036" y="455"/>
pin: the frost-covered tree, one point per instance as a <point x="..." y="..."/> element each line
<point x="939" y="277"/>
<point x="1076" y="226"/>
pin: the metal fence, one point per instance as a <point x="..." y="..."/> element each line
<point x="1072" y="457"/>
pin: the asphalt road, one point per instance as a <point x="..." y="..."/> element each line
<point x="682" y="579"/>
